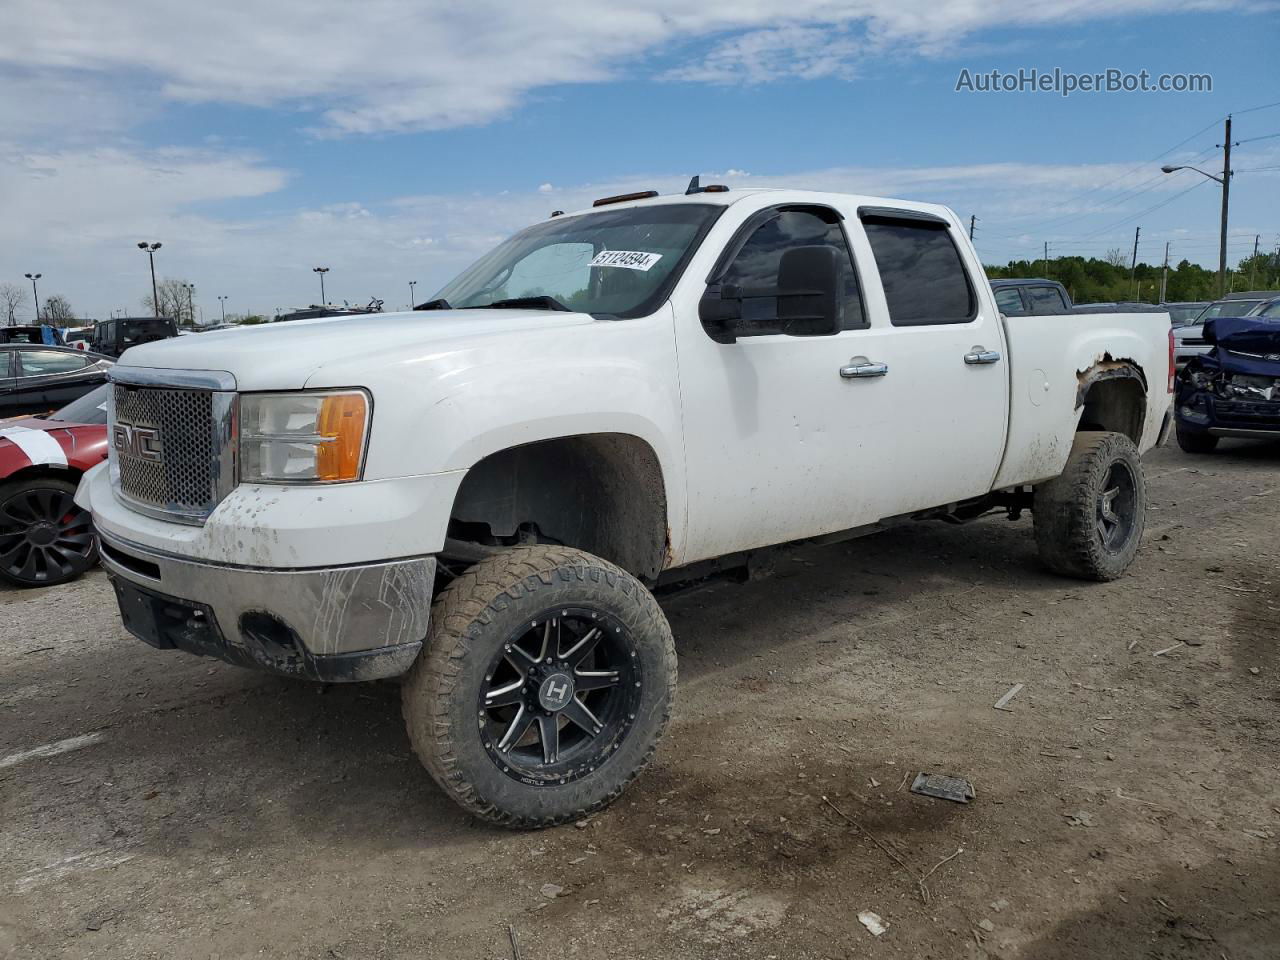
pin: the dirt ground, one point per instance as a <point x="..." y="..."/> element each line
<point x="1127" y="802"/>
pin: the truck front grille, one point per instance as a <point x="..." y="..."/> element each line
<point x="171" y="449"/>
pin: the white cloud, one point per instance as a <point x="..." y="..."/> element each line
<point x="395" y="65"/>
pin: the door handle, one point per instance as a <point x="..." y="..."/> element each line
<point x="980" y="355"/>
<point x="860" y="367"/>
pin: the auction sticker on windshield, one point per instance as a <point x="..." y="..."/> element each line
<point x="627" y="259"/>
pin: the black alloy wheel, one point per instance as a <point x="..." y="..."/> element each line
<point x="560" y="696"/>
<point x="1116" y="502"/>
<point x="45" y="539"/>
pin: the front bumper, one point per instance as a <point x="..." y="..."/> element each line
<point x="1246" y="419"/>
<point x="332" y="624"/>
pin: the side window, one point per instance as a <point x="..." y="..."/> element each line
<point x="6" y="363"/>
<point x="1009" y="300"/>
<point x="41" y="363"/>
<point x="1046" y="300"/>
<point x="924" y="280"/>
<point x="755" y="267"/>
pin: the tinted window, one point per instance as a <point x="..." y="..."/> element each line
<point x="924" y="279"/>
<point x="1047" y="300"/>
<point x="755" y="267"/>
<point x="1009" y="301"/>
<point x="1270" y="311"/>
<point x="6" y="363"/>
<point x="91" y="408"/>
<point x="1227" y="308"/>
<point x="37" y="363"/>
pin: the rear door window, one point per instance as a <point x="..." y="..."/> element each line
<point x="924" y="279"/>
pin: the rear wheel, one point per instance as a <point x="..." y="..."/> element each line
<point x="45" y="539"/>
<point x="1089" y="520"/>
<point x="1196" y="441"/>
<point x="544" y="687"/>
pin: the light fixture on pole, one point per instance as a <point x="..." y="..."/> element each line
<point x="412" y="284"/>
<point x="223" y="303"/>
<point x="322" y="271"/>
<point x="151" y="249"/>
<point x="33" y="277"/>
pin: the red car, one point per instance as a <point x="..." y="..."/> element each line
<point x="45" y="539"/>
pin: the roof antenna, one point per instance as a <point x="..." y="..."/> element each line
<point x="694" y="186"/>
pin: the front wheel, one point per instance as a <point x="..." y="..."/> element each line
<point x="1089" y="520"/>
<point x="544" y="686"/>
<point x="45" y="539"/>
<point x="1196" y="441"/>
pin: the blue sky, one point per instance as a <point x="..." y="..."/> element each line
<point x="396" y="140"/>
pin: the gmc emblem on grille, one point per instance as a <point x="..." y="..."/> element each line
<point x="135" y="441"/>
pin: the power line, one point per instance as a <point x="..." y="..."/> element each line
<point x="1143" y="213"/>
<point x="1267" y="136"/>
<point x="1265" y="106"/>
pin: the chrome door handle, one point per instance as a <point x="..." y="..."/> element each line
<point x="981" y="355"/>
<point x="860" y="367"/>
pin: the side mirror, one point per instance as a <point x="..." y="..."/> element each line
<point x="1210" y="334"/>
<point x="808" y="294"/>
<point x="804" y="303"/>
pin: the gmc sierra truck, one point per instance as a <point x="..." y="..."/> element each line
<point x="478" y="495"/>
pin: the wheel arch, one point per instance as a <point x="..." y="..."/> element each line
<point x="604" y="493"/>
<point x="1112" y="396"/>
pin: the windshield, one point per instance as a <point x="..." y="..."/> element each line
<point x="1227" y="308"/>
<point x="91" y="408"/>
<point x="617" y="262"/>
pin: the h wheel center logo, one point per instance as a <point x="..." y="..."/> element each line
<point x="556" y="691"/>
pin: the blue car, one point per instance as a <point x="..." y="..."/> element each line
<point x="1233" y="390"/>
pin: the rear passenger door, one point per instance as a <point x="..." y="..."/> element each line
<point x="934" y="424"/>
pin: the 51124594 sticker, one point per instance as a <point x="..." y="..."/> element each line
<point x="627" y="259"/>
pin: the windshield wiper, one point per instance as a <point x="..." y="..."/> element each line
<point x="532" y="303"/>
<point x="434" y="305"/>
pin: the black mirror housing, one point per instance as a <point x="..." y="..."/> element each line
<point x="808" y="291"/>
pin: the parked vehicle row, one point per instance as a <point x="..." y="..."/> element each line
<point x="1189" y="338"/>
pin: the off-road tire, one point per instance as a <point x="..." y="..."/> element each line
<point x="72" y="559"/>
<point x="1196" y="441"/>
<point x="471" y="620"/>
<point x="1066" y="509"/>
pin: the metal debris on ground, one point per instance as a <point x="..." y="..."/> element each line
<point x="515" y="943"/>
<point x="1003" y="702"/>
<point x="1161" y="653"/>
<point x="943" y="787"/>
<point x="872" y="921"/>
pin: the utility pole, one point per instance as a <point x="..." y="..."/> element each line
<point x="1164" y="277"/>
<point x="33" y="277"/>
<point x="1046" y="259"/>
<point x="1254" y="262"/>
<point x="972" y="220"/>
<point x="1226" y="191"/>
<point x="1133" y="268"/>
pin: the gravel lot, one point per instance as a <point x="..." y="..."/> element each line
<point x="1127" y="802"/>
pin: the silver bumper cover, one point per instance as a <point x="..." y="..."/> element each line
<point x="340" y="623"/>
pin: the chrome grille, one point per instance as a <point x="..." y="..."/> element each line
<point x="185" y="465"/>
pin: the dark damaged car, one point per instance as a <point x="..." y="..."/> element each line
<point x="1234" y="389"/>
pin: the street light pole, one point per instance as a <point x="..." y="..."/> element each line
<point x="222" y="301"/>
<point x="412" y="284"/>
<point x="1225" y="181"/>
<point x="151" y="249"/>
<point x="191" y="311"/>
<point x="322" y="271"/>
<point x="33" y="277"/>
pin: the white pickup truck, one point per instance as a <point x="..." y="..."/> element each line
<point x="480" y="493"/>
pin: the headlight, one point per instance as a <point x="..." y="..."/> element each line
<point x="303" y="437"/>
